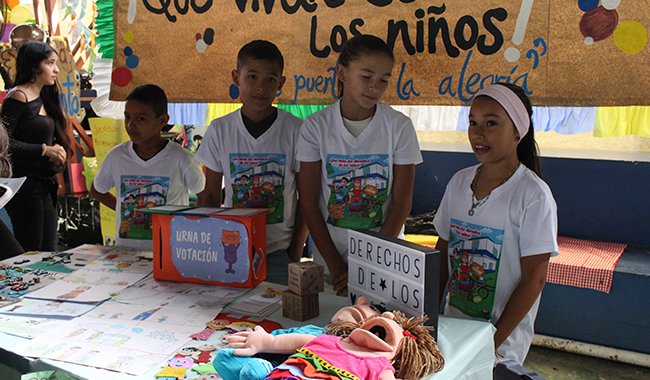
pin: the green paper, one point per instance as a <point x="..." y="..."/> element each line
<point x="58" y="267"/>
<point x="104" y="27"/>
<point x="204" y="369"/>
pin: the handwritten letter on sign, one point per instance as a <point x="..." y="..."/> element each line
<point x="394" y="273"/>
<point x="563" y="53"/>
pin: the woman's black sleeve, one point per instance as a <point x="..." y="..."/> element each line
<point x="12" y="111"/>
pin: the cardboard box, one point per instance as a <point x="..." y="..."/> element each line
<point x="222" y="247"/>
<point x="306" y="278"/>
<point x="300" y="308"/>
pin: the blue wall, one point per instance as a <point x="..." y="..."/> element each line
<point x="597" y="199"/>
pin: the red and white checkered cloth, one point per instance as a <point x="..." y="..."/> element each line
<point x="585" y="263"/>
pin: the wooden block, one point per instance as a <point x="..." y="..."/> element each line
<point x="306" y="278"/>
<point x="299" y="307"/>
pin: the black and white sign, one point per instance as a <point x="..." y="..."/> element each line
<point x="394" y="273"/>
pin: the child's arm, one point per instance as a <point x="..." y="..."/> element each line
<point x="251" y="342"/>
<point x="211" y="195"/>
<point x="533" y="279"/>
<point x="309" y="184"/>
<point x="300" y="232"/>
<point x="443" y="246"/>
<point x="107" y="198"/>
<point x="403" y="178"/>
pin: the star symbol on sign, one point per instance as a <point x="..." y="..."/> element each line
<point x="382" y="283"/>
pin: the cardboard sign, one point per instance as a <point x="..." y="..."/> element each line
<point x="198" y="251"/>
<point x="562" y="53"/>
<point x="230" y="237"/>
<point x="107" y="133"/>
<point x="394" y="273"/>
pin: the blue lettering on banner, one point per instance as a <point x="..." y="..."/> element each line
<point x="69" y="99"/>
<point x="320" y="83"/>
<point x="467" y="88"/>
<point x="404" y="91"/>
<point x="324" y="84"/>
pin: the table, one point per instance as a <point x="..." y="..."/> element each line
<point x="467" y="346"/>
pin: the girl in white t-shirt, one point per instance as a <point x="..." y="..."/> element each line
<point x="498" y="223"/>
<point x="357" y="158"/>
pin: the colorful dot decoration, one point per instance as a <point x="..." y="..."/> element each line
<point x="234" y="92"/>
<point x="122" y="76"/>
<point x="630" y="37"/>
<point x="599" y="22"/>
<point x="202" y="42"/>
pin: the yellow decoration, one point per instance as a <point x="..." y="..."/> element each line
<point x="422" y="239"/>
<point x="128" y="37"/>
<point x="90" y="168"/>
<point x="107" y="133"/>
<point x="215" y="110"/>
<point x="620" y="121"/>
<point x="630" y="37"/>
<point x="20" y="14"/>
<point x="172" y="372"/>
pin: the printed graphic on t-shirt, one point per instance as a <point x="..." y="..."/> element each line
<point x="474" y="254"/>
<point x="140" y="192"/>
<point x="258" y="182"/>
<point x="358" y="188"/>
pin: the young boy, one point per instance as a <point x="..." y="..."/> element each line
<point x="146" y="171"/>
<point x="253" y="150"/>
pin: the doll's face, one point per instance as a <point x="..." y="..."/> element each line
<point x="181" y="362"/>
<point x="207" y="347"/>
<point x="380" y="335"/>
<point x="356" y="313"/>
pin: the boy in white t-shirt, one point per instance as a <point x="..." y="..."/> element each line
<point x="252" y="150"/>
<point x="146" y="171"/>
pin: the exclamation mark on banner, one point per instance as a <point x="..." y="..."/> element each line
<point x="512" y="54"/>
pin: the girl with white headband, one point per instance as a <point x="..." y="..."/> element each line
<point x="498" y="223"/>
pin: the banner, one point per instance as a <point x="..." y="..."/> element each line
<point x="562" y="53"/>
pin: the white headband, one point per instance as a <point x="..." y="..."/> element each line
<point x="511" y="103"/>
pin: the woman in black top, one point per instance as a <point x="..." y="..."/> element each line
<point x="39" y="145"/>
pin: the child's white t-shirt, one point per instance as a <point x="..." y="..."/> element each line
<point x="357" y="172"/>
<point x="519" y="219"/>
<point x="229" y="148"/>
<point x="166" y="178"/>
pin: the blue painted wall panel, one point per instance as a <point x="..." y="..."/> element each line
<point x="597" y="199"/>
<point x="620" y="319"/>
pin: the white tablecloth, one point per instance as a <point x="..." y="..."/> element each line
<point x="467" y="346"/>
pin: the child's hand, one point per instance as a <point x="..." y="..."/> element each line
<point x="56" y="154"/>
<point x="249" y="342"/>
<point x="340" y="282"/>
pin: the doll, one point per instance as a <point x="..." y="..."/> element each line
<point x="231" y="367"/>
<point x="373" y="351"/>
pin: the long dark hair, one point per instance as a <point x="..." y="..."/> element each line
<point x="527" y="150"/>
<point x="358" y="46"/>
<point x="28" y="65"/>
<point x="5" y="163"/>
